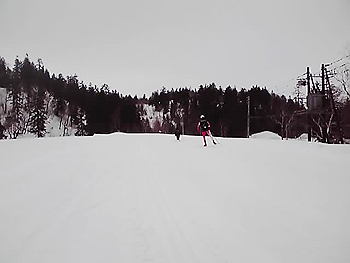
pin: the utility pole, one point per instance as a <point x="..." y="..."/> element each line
<point x="248" y="116"/>
<point x="308" y="105"/>
<point x="335" y="112"/>
<point x="320" y="102"/>
<point x="182" y="125"/>
<point x="324" y="126"/>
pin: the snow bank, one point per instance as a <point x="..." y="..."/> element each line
<point x="304" y="137"/>
<point x="266" y="135"/>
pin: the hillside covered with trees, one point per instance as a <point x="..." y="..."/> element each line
<point x="32" y="101"/>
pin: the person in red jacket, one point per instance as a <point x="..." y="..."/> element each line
<point x="204" y="128"/>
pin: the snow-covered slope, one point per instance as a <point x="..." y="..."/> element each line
<point x="54" y="126"/>
<point x="149" y="198"/>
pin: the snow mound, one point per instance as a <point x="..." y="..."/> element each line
<point x="266" y="135"/>
<point x="303" y="137"/>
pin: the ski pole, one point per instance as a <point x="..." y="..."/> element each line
<point x="213" y="138"/>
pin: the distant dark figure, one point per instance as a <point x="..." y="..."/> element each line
<point x="177" y="133"/>
<point x="204" y="128"/>
<point x="2" y="135"/>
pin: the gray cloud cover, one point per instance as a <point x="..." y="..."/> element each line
<point x="139" y="46"/>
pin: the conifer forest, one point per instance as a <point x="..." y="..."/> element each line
<point x="31" y="96"/>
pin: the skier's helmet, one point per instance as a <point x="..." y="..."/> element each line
<point x="202" y="117"/>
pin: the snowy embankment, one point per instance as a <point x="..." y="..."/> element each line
<point x="149" y="198"/>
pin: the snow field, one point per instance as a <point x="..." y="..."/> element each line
<point x="150" y="198"/>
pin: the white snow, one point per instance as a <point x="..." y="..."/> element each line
<point x="154" y="117"/>
<point x="150" y="198"/>
<point x="2" y="105"/>
<point x="304" y="137"/>
<point x="54" y="129"/>
<point x="266" y="135"/>
<point x="55" y="126"/>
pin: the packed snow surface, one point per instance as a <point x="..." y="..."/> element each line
<point x="150" y="198"/>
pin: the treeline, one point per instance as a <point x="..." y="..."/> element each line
<point x="30" y="97"/>
<point x="31" y="94"/>
<point x="226" y="109"/>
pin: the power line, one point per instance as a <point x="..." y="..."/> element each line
<point x="289" y="85"/>
<point x="328" y="65"/>
<point x="338" y="60"/>
<point x="339" y="67"/>
<point x="334" y="62"/>
<point x="286" y="84"/>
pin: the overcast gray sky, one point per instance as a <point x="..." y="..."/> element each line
<point x="138" y="46"/>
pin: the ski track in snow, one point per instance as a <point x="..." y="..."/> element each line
<point x="149" y="198"/>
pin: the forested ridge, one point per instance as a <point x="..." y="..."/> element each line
<point x="31" y="96"/>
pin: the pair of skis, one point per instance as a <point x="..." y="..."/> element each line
<point x="213" y="139"/>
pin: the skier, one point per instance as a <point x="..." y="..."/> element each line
<point x="204" y="128"/>
<point x="2" y="135"/>
<point x="177" y="132"/>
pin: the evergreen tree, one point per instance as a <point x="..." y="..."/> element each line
<point x="80" y="122"/>
<point x="230" y="112"/>
<point x="14" y="121"/>
<point x="4" y="74"/>
<point x="38" y="113"/>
